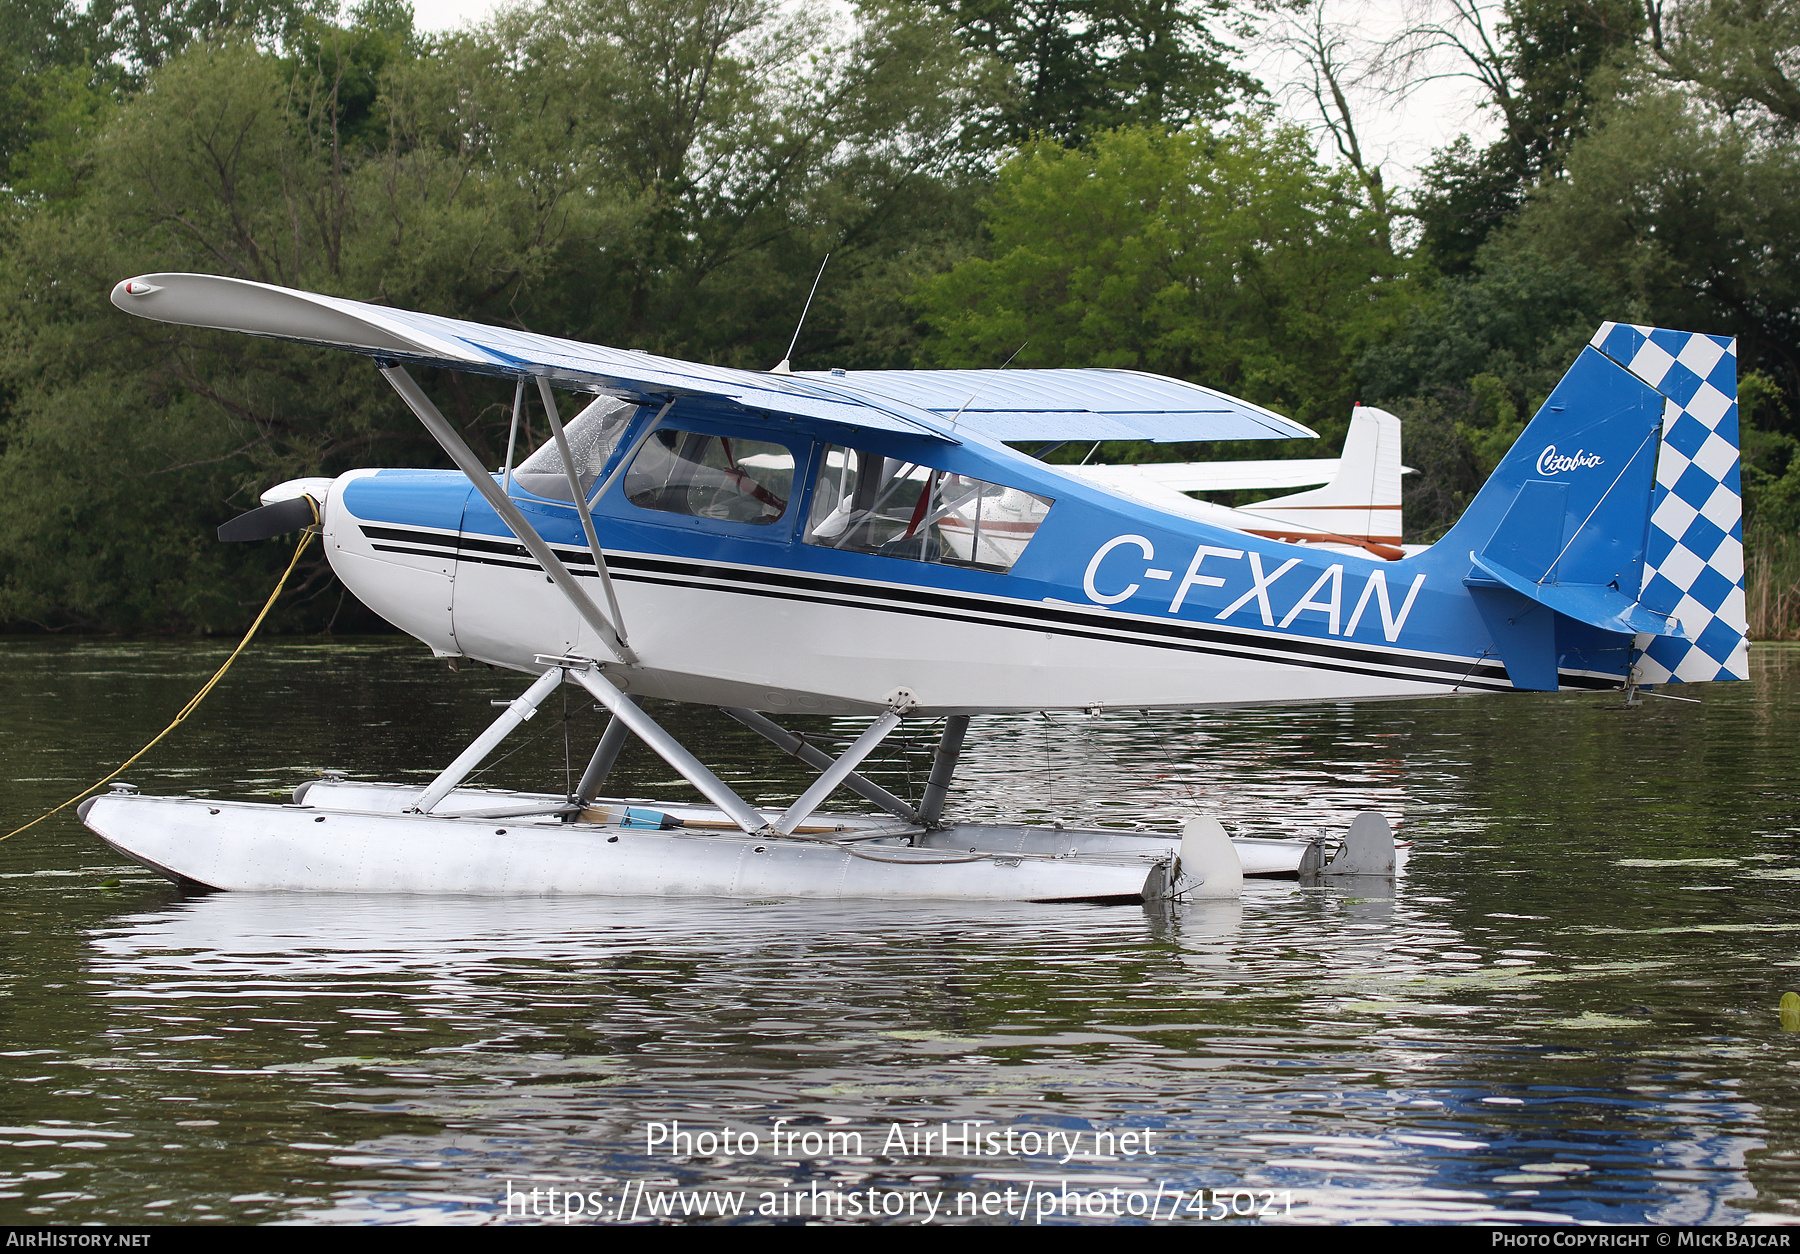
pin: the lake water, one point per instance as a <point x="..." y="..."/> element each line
<point x="1566" y="1010"/>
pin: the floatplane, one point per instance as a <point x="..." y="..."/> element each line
<point x="867" y="542"/>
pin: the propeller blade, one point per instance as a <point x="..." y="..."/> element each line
<point x="271" y="520"/>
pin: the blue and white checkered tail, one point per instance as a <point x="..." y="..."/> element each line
<point x="1694" y="561"/>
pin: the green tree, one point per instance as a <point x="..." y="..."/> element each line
<point x="1739" y="52"/>
<point x="547" y="170"/>
<point x="1689" y="217"/>
<point x="56" y="60"/>
<point x="1230" y="258"/>
<point x="752" y="145"/>
<point x="1087" y="66"/>
<point x="1668" y="212"/>
<point x="1539" y="79"/>
<point x="149" y="32"/>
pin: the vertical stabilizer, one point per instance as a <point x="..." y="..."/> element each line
<point x="1618" y="511"/>
<point x="1694" y="561"/>
<point x="1362" y="501"/>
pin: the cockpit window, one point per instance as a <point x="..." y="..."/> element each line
<point x="712" y="476"/>
<point x="593" y="434"/>
<point x="867" y="503"/>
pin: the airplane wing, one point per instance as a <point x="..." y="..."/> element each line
<point x="1214" y="476"/>
<point x="224" y="304"/>
<point x="1004" y="405"/>
<point x="1072" y="404"/>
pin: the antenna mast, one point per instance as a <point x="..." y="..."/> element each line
<point x="786" y="366"/>
<point x="977" y="391"/>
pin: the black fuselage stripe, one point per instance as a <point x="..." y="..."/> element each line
<point x="1042" y="616"/>
<point x="1180" y="637"/>
<point x="924" y="605"/>
<point x="1075" y="633"/>
<point x="1461" y="669"/>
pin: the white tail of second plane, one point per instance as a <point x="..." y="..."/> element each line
<point x="1357" y="509"/>
<point x="1362" y="501"/>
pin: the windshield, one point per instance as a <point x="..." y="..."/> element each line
<point x="593" y="434"/>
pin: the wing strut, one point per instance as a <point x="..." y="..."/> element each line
<point x="512" y="432"/>
<point x="587" y="519"/>
<point x="465" y="460"/>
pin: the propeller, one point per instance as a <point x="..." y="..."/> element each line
<point x="272" y="520"/>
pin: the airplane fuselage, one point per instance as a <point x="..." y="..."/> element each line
<point x="1108" y="604"/>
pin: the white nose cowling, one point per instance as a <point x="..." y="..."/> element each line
<point x="318" y="487"/>
<point x="1209" y="862"/>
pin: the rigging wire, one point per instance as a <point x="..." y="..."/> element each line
<point x="194" y="703"/>
<point x="536" y="737"/>
<point x="912" y="741"/>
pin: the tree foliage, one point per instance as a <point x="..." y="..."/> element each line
<point x="1740" y="53"/>
<point x="1540" y="79"/>
<point x="1084" y="67"/>
<point x="1228" y="257"/>
<point x="1673" y="203"/>
<point x="662" y="174"/>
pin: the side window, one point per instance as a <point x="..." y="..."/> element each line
<point x="867" y="503"/>
<point x="593" y="434"/>
<point x="711" y="476"/>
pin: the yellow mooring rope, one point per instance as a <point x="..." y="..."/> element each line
<point x="191" y="706"/>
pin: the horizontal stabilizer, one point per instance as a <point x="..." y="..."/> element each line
<point x="1598" y="605"/>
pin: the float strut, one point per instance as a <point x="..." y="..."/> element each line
<point x="836" y="773"/>
<point x="601" y="764"/>
<point x="666" y="747"/>
<point x="788" y="742"/>
<point x="943" y="769"/>
<point x="517" y="712"/>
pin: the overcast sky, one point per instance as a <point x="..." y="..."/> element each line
<point x="1399" y="133"/>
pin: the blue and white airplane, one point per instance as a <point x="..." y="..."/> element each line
<point x="866" y="542"/>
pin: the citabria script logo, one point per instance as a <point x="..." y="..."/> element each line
<point x="1551" y="462"/>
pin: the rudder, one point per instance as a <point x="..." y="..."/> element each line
<point x="1694" y="559"/>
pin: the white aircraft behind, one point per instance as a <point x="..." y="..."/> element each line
<point x="1356" y="511"/>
